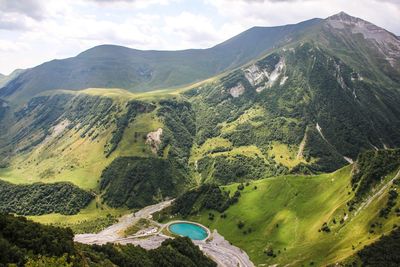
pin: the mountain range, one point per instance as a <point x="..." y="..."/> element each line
<point x="291" y="110"/>
<point x="110" y="66"/>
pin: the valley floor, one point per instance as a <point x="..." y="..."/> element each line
<point x="216" y="247"/>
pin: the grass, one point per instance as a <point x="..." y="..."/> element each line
<point x="71" y="158"/>
<point x="285" y="155"/>
<point x="249" y="151"/>
<point x="285" y="213"/>
<point x="211" y="143"/>
<point x="143" y="124"/>
<point x="141" y="224"/>
<point x="248" y="116"/>
<point x="92" y="219"/>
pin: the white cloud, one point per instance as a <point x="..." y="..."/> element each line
<point x="30" y="8"/>
<point x="192" y="30"/>
<point x="131" y="3"/>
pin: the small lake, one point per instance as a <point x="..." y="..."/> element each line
<point x="191" y="230"/>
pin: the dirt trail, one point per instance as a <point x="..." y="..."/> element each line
<point x="115" y="231"/>
<point x="377" y="194"/>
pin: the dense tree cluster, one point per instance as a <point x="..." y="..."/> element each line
<point x="172" y="252"/>
<point x="233" y="169"/>
<point x="20" y="238"/>
<point x="384" y="212"/>
<point x="384" y="252"/>
<point x="136" y="182"/>
<point x="179" y="130"/>
<point x="372" y="167"/>
<point x="38" y="199"/>
<point x="207" y="196"/>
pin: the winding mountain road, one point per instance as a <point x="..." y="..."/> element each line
<point x="116" y="231"/>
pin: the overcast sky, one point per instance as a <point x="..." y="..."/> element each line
<point x="35" y="31"/>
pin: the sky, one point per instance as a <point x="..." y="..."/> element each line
<point x="35" y="31"/>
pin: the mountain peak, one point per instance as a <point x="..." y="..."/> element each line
<point x="344" y="17"/>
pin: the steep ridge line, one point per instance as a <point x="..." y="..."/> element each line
<point x="377" y="194"/>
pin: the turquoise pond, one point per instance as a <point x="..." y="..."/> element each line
<point x="193" y="231"/>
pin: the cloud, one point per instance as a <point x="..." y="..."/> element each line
<point x="396" y="2"/>
<point x="135" y="3"/>
<point x="31" y="8"/>
<point x="192" y="30"/>
<point x="12" y="23"/>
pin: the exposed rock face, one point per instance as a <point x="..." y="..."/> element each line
<point x="255" y="75"/>
<point x="276" y="73"/>
<point x="262" y="78"/>
<point x="387" y="43"/>
<point x="154" y="140"/>
<point x="57" y="130"/>
<point x="237" y="91"/>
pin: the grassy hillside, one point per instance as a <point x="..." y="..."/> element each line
<point x="302" y="219"/>
<point x="80" y="137"/>
<point x="74" y="136"/>
<point x="92" y="219"/>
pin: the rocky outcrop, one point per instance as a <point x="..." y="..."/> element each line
<point x="154" y="140"/>
<point x="237" y="91"/>
<point x="261" y="78"/>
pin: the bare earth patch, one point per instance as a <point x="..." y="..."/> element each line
<point x="154" y="140"/>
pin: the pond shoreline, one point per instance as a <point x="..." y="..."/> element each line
<point x="167" y="227"/>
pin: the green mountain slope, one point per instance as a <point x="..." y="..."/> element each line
<point x="130" y="149"/>
<point x="300" y="220"/>
<point x="307" y="106"/>
<point x="110" y="66"/>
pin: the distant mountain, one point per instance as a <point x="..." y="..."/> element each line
<point x="110" y="66"/>
<point x="4" y="79"/>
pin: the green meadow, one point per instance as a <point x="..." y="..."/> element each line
<point x="281" y="218"/>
